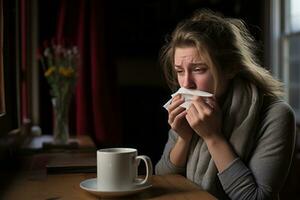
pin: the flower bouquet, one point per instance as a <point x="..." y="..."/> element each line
<point x="60" y="64"/>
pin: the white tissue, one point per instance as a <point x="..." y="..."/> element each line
<point x="188" y="95"/>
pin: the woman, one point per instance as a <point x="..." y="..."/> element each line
<point x="239" y="143"/>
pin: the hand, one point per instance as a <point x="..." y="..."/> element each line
<point x="177" y="118"/>
<point x="205" y="117"/>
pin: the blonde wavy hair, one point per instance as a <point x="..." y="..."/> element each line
<point x="228" y="43"/>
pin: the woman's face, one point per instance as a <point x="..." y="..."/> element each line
<point x="193" y="70"/>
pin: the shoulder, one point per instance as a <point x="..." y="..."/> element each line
<point x="274" y="108"/>
<point x="277" y="118"/>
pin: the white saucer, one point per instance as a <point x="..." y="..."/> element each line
<point x="90" y="185"/>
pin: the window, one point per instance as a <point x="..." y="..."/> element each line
<point x="294" y="15"/>
<point x="20" y="71"/>
<point x="291" y="52"/>
<point x="10" y="121"/>
<point x="285" y="48"/>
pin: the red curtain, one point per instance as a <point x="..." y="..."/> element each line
<point x="23" y="75"/>
<point x="95" y="110"/>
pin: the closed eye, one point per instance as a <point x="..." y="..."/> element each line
<point x="179" y="70"/>
<point x="200" y="69"/>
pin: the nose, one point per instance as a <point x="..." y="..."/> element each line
<point x="188" y="81"/>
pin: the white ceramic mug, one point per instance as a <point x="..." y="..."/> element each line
<point x="117" y="169"/>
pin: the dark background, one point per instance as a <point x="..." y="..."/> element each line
<point x="134" y="33"/>
<point x="135" y="30"/>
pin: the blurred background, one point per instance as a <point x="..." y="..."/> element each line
<point x="120" y="88"/>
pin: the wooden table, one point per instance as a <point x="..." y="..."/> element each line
<point x="66" y="187"/>
<point x="56" y="175"/>
<point x="78" y="158"/>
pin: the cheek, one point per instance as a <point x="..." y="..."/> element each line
<point x="180" y="80"/>
<point x="205" y="83"/>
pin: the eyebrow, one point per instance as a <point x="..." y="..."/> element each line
<point x="192" y="64"/>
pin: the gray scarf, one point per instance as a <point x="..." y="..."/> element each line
<point x="241" y="111"/>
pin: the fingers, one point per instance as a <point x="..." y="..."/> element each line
<point x="175" y="108"/>
<point x="176" y="101"/>
<point x="201" y="108"/>
<point x="204" y="105"/>
<point x="193" y="113"/>
<point x="177" y="120"/>
<point x="211" y="101"/>
<point x="174" y="113"/>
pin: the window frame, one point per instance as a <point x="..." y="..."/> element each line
<point x="10" y="121"/>
<point x="278" y="44"/>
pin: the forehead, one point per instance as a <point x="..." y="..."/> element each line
<point x="188" y="55"/>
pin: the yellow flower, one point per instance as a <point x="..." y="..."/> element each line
<point x="49" y="71"/>
<point x="66" y="71"/>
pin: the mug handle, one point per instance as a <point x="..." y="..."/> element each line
<point x="149" y="169"/>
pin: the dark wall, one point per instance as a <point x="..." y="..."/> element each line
<point x="136" y="30"/>
<point x="134" y="33"/>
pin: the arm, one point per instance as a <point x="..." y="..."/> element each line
<point x="176" y="150"/>
<point x="264" y="175"/>
<point x="220" y="151"/>
<point x="164" y="165"/>
<point x="205" y="119"/>
<point x="178" y="154"/>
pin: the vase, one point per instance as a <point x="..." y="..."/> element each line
<point x="60" y="121"/>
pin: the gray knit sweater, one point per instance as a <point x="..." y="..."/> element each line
<point x="263" y="174"/>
